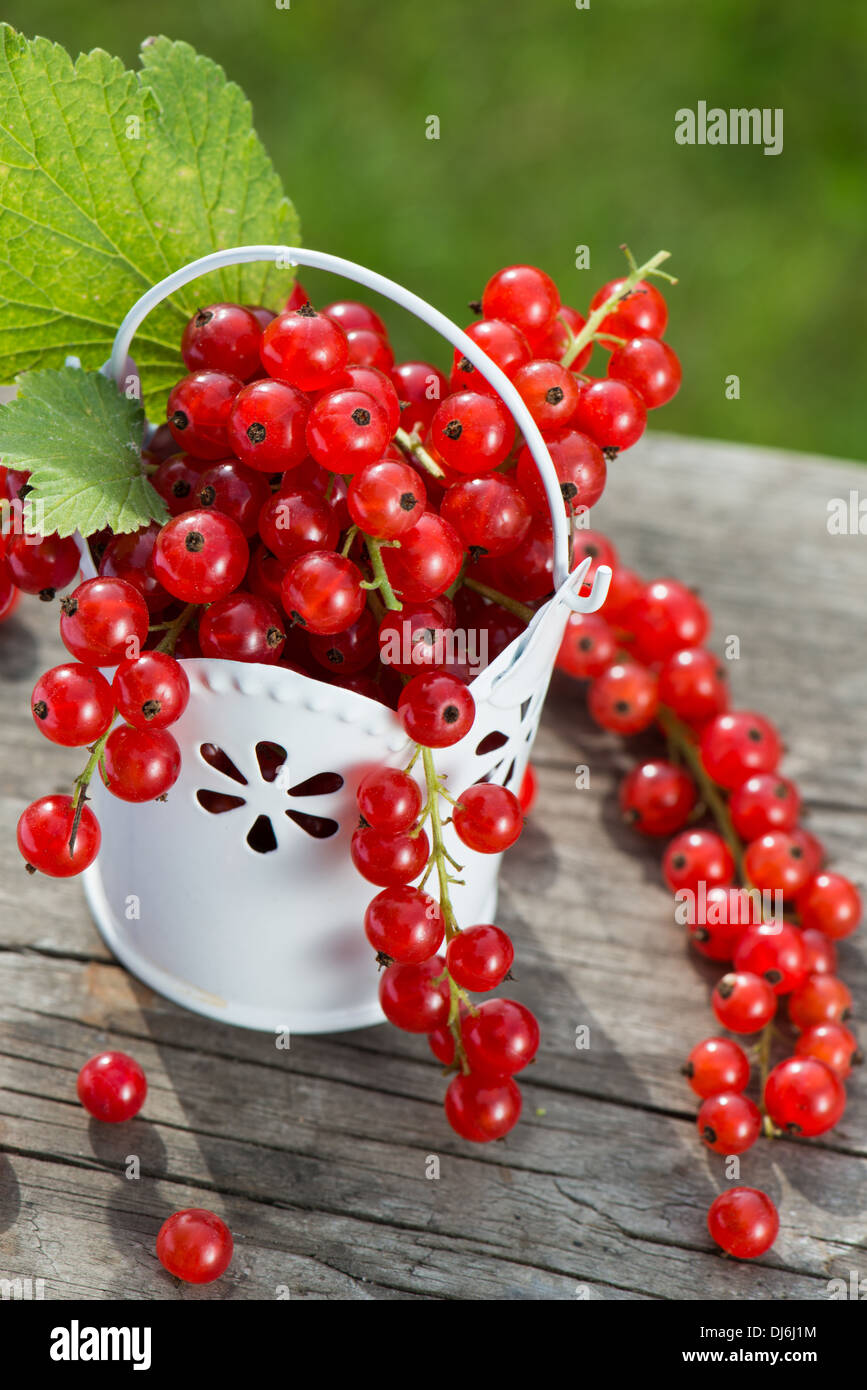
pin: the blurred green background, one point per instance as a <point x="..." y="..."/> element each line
<point x="557" y="129"/>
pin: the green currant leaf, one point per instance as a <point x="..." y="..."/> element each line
<point x="110" y="180"/>
<point x="80" y="439"/>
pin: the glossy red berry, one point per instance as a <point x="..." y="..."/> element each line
<point x="235" y="490"/>
<point x="717" y="924"/>
<point x="346" y="429"/>
<point x="549" y="391"/>
<point x="305" y="349"/>
<point x="177" y="480"/>
<point x="775" y="951"/>
<point x="322" y="591"/>
<point x="141" y="764"/>
<point x="822" y="998"/>
<point x="198" y="412"/>
<point x="697" y="856"/>
<point x="386" y="499"/>
<point x="522" y="295"/>
<point x="152" y="691"/>
<point x="776" y="863"/>
<point x="72" y="705"/>
<point x="611" y="413"/>
<point x="412" y="999"/>
<point x="223" y="338"/>
<point x="200" y="556"/>
<point x="502" y="342"/>
<point x="112" y="1087"/>
<point x="820" y="952"/>
<point x="804" y="1096"/>
<point x="501" y="1038"/>
<point x="743" y="1222"/>
<point x="242" y="627"/>
<point x="624" y="698"/>
<point x="831" y="904"/>
<point x="296" y="521"/>
<point x="415" y="636"/>
<point x="44" y="833"/>
<point x="436" y="709"/>
<point x="743" y="1002"/>
<point x="378" y="384"/>
<point x="352" y="314"/>
<point x="420" y="386"/>
<point x="267" y="426"/>
<point x="389" y="800"/>
<point x="368" y="349"/>
<point x="529" y="789"/>
<point x="490" y="515"/>
<point x="693" y="683"/>
<point x="479" y="958"/>
<point x="717" y="1065"/>
<point x="527" y="571"/>
<point x="441" y="1042"/>
<point x="104" y="621"/>
<point x="641" y="311"/>
<point x="831" y="1043"/>
<point x="472" y="432"/>
<point x="649" y="367"/>
<point x="128" y="557"/>
<point x="729" y="1123"/>
<point x="42" y="566"/>
<point x="735" y="746"/>
<point x="764" y="803"/>
<point x="195" y="1245"/>
<point x="428" y="560"/>
<point x="488" y="818"/>
<point x="404" y="924"/>
<point x="580" y="467"/>
<point x="481" y="1109"/>
<point x="588" y="648"/>
<point x="387" y="860"/>
<point x="656" y="797"/>
<point x="665" y="618"/>
<point x="557" y="339"/>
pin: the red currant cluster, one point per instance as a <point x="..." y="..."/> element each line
<point x="749" y="877"/>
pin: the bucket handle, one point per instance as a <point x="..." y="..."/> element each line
<point x="291" y="256"/>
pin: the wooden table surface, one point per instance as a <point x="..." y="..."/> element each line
<point x="317" y="1156"/>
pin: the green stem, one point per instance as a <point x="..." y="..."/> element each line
<point x="763" y="1055"/>
<point x="175" y="628"/>
<point x="419" y="453"/>
<point x="441" y="858"/>
<point x="381" y="579"/>
<point x="589" y="331"/>
<point x="680" y="737"/>
<point x="83" y="780"/>
<point x="348" y="539"/>
<point x="512" y="605"/>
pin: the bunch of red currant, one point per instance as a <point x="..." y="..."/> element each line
<point x="750" y="879"/>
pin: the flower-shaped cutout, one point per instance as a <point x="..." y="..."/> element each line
<point x="272" y="764"/>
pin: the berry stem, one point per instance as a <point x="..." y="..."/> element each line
<point x="418" y="452"/>
<point x="83" y="780"/>
<point x="636" y="272"/>
<point x="763" y="1056"/>
<point x="512" y="605"/>
<point x="348" y="539"/>
<point x="174" y="629"/>
<point x="380" y="578"/>
<point x="681" y="739"/>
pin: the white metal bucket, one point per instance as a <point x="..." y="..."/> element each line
<point x="274" y="939"/>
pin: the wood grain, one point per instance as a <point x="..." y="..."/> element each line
<point x="317" y="1156"/>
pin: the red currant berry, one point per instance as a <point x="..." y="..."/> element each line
<point x="776" y="952"/>
<point x="405" y="924"/>
<point x="481" y="1109"/>
<point x="624" y="698"/>
<point x="42" y="566"/>
<point x="717" y="1065"/>
<point x="502" y="342"/>
<point x="490" y="515"/>
<point x="524" y="296"/>
<point x="812" y="849"/>
<point x="421" y="387"/>
<point x="743" y="1003"/>
<point x="528" y="790"/>
<point x="415" y="635"/>
<point x="743" y="1222"/>
<point x="775" y="863"/>
<point x="177" y="480"/>
<point x="642" y="311"/>
<point x="351" y="314"/>
<point x="428" y="560"/>
<point x="368" y="349"/>
<point x="436" y="709"/>
<point x="104" y="621"/>
<point x="588" y="648"/>
<point x="378" y="384"/>
<point x="717" y="925"/>
<point x="9" y="593"/>
<point x="295" y="521"/>
<point x="72" y="705"/>
<point x="389" y="861"/>
<point x="200" y="556"/>
<point x="821" y="999"/>
<point x="831" y="904"/>
<point x="580" y="467"/>
<point x="386" y="499"/>
<point x="305" y="349"/>
<point x="804" y="1096"/>
<point x="501" y="1038"/>
<point x="729" y="1123"/>
<point x="656" y="797"/>
<point x="736" y="746"/>
<point x="242" y="627"/>
<point x="128" y="557"/>
<point x="112" y="1087"/>
<point x="665" y="618"/>
<point x="235" y="490"/>
<point x="611" y="413"/>
<point x="322" y="591"/>
<point x="693" y="683"/>
<point x="267" y="426"/>
<point x="649" y="367"/>
<point x="141" y="764"/>
<point x="152" y="691"/>
<point x="264" y="576"/>
<point x="195" y="1245"/>
<point x="223" y="338"/>
<point x="198" y="413"/>
<point x="764" y="803"/>
<point x="488" y="818"/>
<point x="389" y="800"/>
<point x="549" y="391"/>
<point x="593" y="546"/>
<point x="557" y="340"/>
<point x="345" y="430"/>
<point x="820" y="953"/>
<point x="441" y="1042"/>
<point x="831" y="1043"/>
<point x="472" y="433"/>
<point x="414" y="998"/>
<point x="526" y="572"/>
<point x="697" y="856"/>
<point x="44" y="833"/>
<point x="480" y="958"/>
